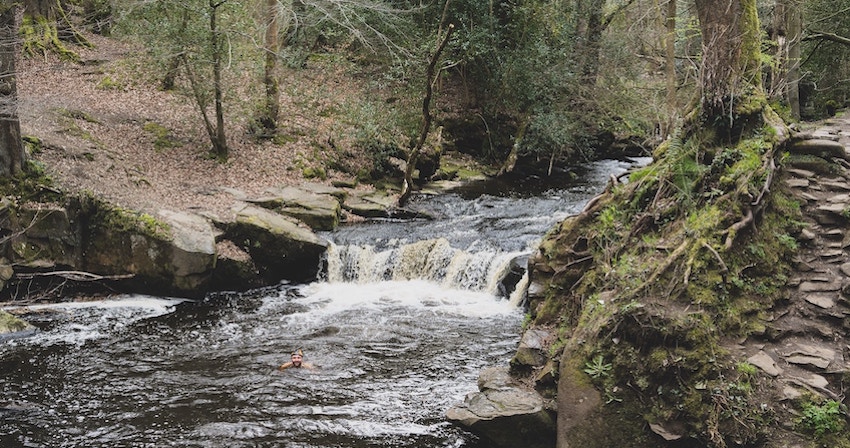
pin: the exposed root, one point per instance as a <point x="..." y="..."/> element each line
<point x="733" y="230"/>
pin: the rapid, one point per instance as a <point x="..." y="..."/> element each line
<point x="403" y="320"/>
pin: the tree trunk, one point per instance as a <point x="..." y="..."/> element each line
<point x="786" y="33"/>
<point x="219" y="140"/>
<point x="670" y="67"/>
<point x="730" y="56"/>
<point x="267" y="116"/>
<point x="794" y="37"/>
<point x="11" y="147"/>
<point x="173" y="68"/>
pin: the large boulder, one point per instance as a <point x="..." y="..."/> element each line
<point x="505" y="413"/>
<point x="282" y="248"/>
<point x="171" y="254"/>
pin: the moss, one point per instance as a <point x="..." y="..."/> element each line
<point x="40" y="36"/>
<point x="163" y="139"/>
<point x="109" y="83"/>
<point x="107" y="216"/>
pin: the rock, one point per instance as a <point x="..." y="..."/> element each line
<point x="764" y="362"/>
<point x="507" y="415"/>
<point x="797" y="183"/>
<point x="280" y="247"/>
<point x="318" y="208"/>
<point x="43" y="236"/>
<point x="818" y="147"/>
<point x="369" y="205"/>
<point x="801" y="173"/>
<point x="13" y="327"/>
<point x="533" y="349"/>
<point x="820" y="286"/>
<point x="821" y="301"/>
<point x="668" y="431"/>
<point x="819" y="363"/>
<point x="194" y="256"/>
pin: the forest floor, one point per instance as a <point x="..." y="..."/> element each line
<point x="105" y="126"/>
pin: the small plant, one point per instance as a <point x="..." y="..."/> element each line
<point x="597" y="367"/>
<point x="789" y="242"/>
<point x="822" y="419"/>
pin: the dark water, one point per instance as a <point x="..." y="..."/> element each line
<point x="393" y="351"/>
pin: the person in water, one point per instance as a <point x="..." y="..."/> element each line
<point x="296" y="361"/>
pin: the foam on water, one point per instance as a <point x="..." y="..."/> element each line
<point x="98" y="319"/>
<point x="416" y="295"/>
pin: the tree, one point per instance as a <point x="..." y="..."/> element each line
<point x="11" y="147"/>
<point x="786" y="34"/>
<point x="731" y="69"/>
<point x="267" y="115"/>
<point x="47" y="26"/>
<point x="191" y="34"/>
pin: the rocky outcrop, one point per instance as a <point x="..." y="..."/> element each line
<point x="506" y="413"/>
<point x="171" y="253"/>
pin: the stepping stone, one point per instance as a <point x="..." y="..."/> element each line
<point x="843" y="198"/>
<point x="835" y="185"/>
<point x="815" y="381"/>
<point x="764" y="362"/>
<point x="821" y="301"/>
<point x="799" y="172"/>
<point x="834" y="234"/>
<point x="790" y="392"/>
<point x="801" y="360"/>
<point x="820" y="286"/>
<point x="797" y="183"/>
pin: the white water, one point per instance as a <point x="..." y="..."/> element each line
<point x="409" y="315"/>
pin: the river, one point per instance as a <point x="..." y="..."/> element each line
<point x="407" y="315"/>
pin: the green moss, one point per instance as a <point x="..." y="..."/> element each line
<point x="110" y="217"/>
<point x="40" y="36"/>
<point x="109" y="83"/>
<point x="162" y="138"/>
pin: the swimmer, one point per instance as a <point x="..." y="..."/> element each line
<point x="296" y="361"/>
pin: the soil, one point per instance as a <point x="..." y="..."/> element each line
<point x="99" y="122"/>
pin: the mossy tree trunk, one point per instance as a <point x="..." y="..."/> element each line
<point x="11" y="146"/>
<point x="46" y="28"/>
<point x="731" y="69"/>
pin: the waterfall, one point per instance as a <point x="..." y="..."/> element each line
<point x="433" y="260"/>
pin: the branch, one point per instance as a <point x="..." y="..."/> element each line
<point x="832" y="37"/>
<point x="78" y="276"/>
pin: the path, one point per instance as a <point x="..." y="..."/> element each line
<point x="805" y="345"/>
